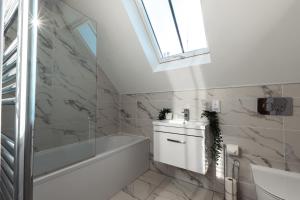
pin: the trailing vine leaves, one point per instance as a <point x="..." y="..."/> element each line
<point x="216" y="147"/>
<point x="163" y="112"/>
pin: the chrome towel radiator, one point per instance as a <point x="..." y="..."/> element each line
<point x="18" y="69"/>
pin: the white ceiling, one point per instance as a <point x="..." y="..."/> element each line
<point x="252" y="42"/>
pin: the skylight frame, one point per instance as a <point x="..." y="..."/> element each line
<point x="92" y="29"/>
<point x="151" y="33"/>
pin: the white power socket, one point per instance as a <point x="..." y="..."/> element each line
<point x="216" y="106"/>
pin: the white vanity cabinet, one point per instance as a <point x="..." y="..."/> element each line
<point x="184" y="145"/>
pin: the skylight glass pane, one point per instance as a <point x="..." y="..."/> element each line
<point x="163" y="26"/>
<point x="88" y="36"/>
<point x="189" y="18"/>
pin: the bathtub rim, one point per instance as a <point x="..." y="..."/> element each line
<point x="81" y="164"/>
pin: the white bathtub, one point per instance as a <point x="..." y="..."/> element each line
<point x="119" y="160"/>
<point x="274" y="184"/>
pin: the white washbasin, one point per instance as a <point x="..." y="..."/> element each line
<point x="182" y="123"/>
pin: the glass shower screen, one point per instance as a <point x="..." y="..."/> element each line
<point x="65" y="87"/>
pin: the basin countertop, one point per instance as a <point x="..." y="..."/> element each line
<point x="182" y="123"/>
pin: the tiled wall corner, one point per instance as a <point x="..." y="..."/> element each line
<point x="108" y="106"/>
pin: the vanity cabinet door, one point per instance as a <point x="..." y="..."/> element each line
<point x="182" y="151"/>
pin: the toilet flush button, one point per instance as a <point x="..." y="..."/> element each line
<point x="216" y="106"/>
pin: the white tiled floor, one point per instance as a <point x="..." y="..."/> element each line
<point x="154" y="186"/>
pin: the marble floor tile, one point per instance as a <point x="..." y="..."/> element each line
<point x="155" y="186"/>
<point x="165" y="195"/>
<point x="143" y="187"/>
<point x="177" y="187"/>
<point x="153" y="177"/>
<point x="203" y="194"/>
<point x="178" y="193"/>
<point x="122" y="196"/>
<point x="217" y="196"/>
<point x="139" y="189"/>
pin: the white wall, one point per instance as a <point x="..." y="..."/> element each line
<point x="252" y="42"/>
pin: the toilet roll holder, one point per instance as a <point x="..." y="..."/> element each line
<point x="235" y="166"/>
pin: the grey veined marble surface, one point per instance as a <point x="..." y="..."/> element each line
<point x="66" y="96"/>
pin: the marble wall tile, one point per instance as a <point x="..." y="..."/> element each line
<point x="243" y="112"/>
<point x="108" y="106"/>
<point x="292" y="147"/>
<point x="44" y="139"/>
<point x="66" y="82"/>
<point x="192" y="95"/>
<point x="144" y="127"/>
<point x="68" y="76"/>
<point x="265" y="140"/>
<point x="108" y="94"/>
<point x="109" y="114"/>
<point x="292" y="122"/>
<point x="293" y="167"/>
<point x="160" y="96"/>
<point x="246" y="92"/>
<point x="245" y="171"/>
<point x="150" y="109"/>
<point x="149" y="105"/>
<point x="108" y="121"/>
<point x="128" y="110"/>
<point x="291" y="90"/>
<point x="128" y="126"/>
<point x="265" y="144"/>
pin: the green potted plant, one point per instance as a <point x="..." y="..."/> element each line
<point x="163" y="112"/>
<point x="216" y="147"/>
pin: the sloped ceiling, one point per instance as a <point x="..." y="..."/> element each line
<point x="251" y="41"/>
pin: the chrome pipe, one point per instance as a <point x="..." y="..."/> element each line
<point x="7" y="143"/>
<point x="10" y="50"/>
<point x="7" y="170"/>
<point x="8" y="77"/>
<point x="1" y="59"/>
<point x="9" y="101"/>
<point x="11" y="10"/>
<point x="9" y="89"/>
<point x="25" y="98"/>
<point x="10" y="63"/>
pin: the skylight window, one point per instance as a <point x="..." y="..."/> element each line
<point x="89" y="36"/>
<point x="176" y="27"/>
